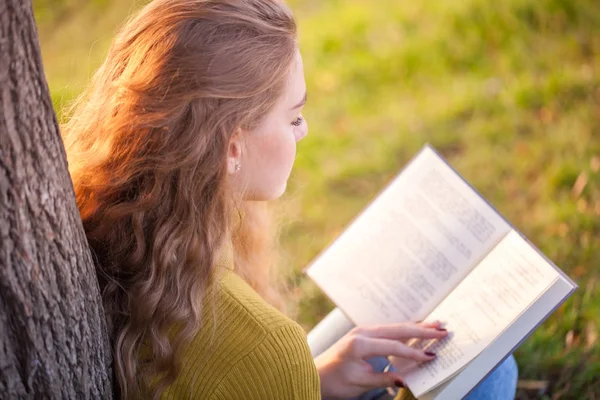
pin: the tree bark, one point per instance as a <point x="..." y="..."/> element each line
<point x="53" y="340"/>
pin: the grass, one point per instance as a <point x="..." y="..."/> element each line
<point x="508" y="91"/>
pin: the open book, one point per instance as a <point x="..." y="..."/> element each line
<point x="429" y="247"/>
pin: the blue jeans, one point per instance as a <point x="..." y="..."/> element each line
<point x="501" y="384"/>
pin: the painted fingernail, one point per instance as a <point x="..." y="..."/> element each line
<point x="398" y="383"/>
<point x="430" y="353"/>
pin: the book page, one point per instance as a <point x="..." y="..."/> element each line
<point x="476" y="370"/>
<point x="506" y="282"/>
<point x="411" y="246"/>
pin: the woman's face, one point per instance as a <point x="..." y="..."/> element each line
<point x="266" y="154"/>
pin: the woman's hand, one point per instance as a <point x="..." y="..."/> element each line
<point x="344" y="370"/>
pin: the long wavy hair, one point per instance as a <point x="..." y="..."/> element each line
<point x="147" y="145"/>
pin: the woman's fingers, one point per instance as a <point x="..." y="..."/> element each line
<point x="384" y="379"/>
<point x="344" y="370"/>
<point x="435" y="324"/>
<point x="404" y="331"/>
<point x="365" y="347"/>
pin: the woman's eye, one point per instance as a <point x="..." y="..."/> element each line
<point x="298" y="121"/>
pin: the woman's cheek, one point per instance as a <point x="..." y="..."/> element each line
<point x="282" y="152"/>
<point x="293" y="148"/>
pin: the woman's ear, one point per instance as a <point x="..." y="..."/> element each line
<point x="234" y="152"/>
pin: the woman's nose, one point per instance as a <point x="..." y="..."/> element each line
<point x="301" y="134"/>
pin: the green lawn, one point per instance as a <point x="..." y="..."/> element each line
<point x="507" y="90"/>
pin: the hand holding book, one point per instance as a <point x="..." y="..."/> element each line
<point x="429" y="247"/>
<point x="343" y="368"/>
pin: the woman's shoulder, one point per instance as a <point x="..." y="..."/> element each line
<point x="245" y="344"/>
<point x="237" y="297"/>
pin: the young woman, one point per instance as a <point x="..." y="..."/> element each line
<point x="188" y="127"/>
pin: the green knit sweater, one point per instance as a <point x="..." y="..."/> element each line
<point x="246" y="350"/>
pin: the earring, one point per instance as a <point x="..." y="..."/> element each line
<point x="238" y="166"/>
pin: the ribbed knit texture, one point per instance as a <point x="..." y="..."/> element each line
<point x="246" y="350"/>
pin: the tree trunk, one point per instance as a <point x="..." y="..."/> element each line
<point x="53" y="341"/>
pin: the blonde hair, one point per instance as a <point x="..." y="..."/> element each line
<point x="146" y="145"/>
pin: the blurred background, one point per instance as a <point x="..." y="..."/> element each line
<point x="507" y="90"/>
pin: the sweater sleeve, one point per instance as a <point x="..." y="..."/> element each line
<point x="280" y="367"/>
